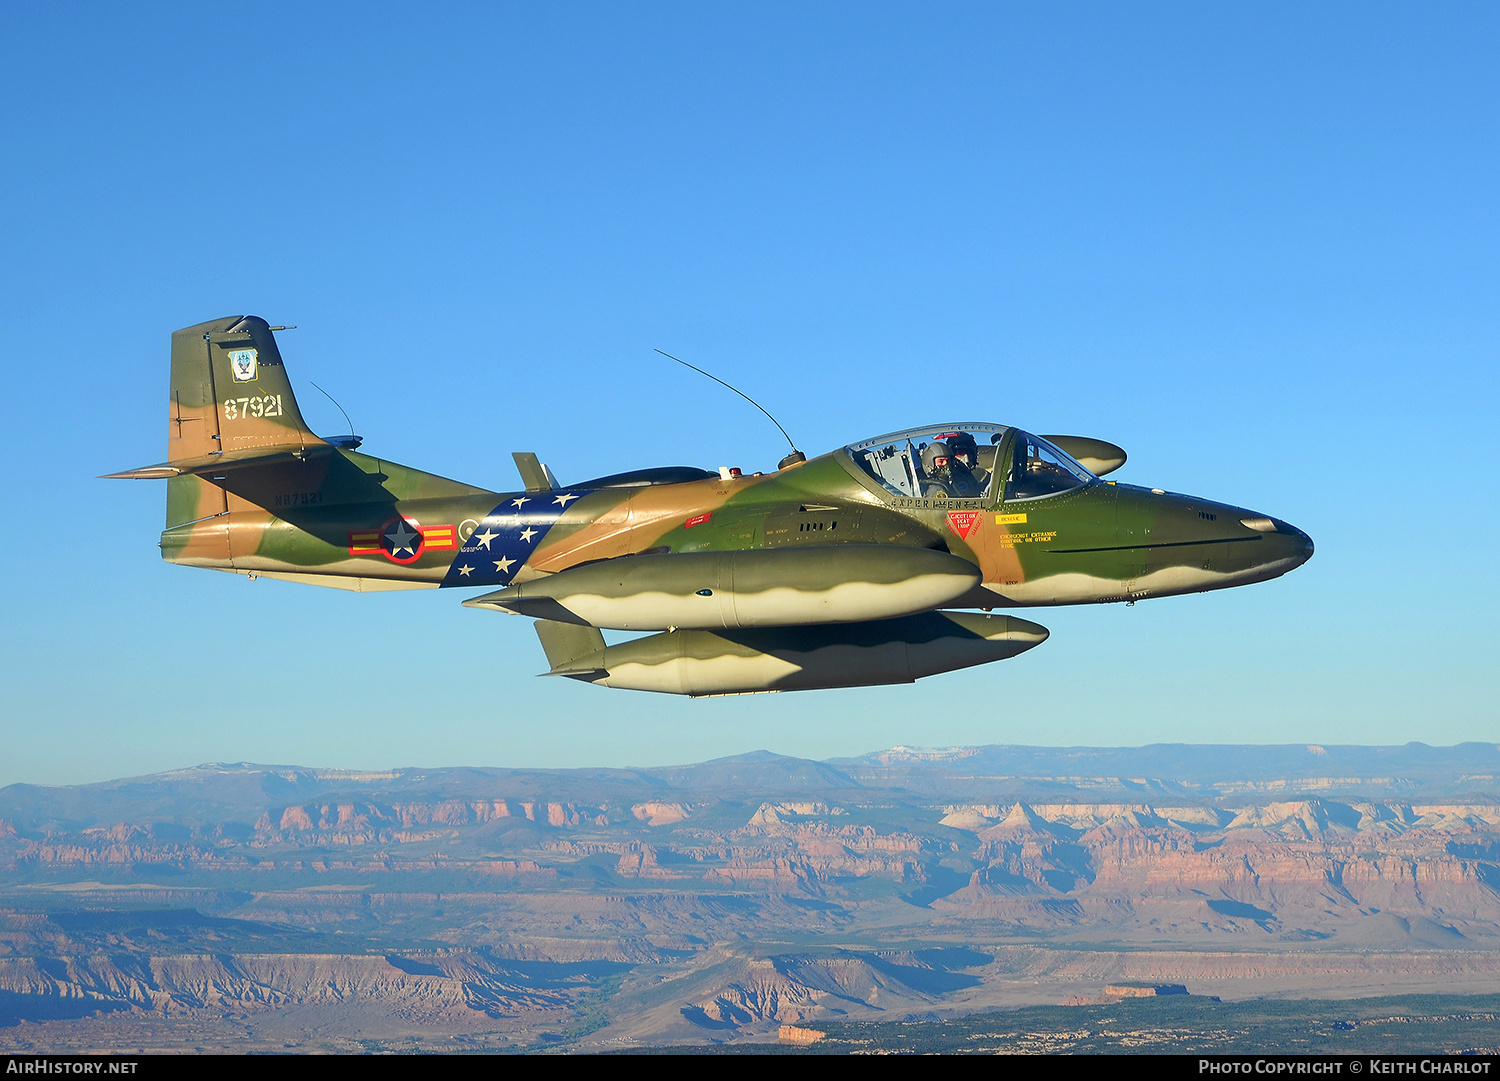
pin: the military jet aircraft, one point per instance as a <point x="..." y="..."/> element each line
<point x="850" y="569"/>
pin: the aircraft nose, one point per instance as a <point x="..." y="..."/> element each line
<point x="1287" y="541"/>
<point x="1304" y="542"/>
<point x="1298" y="544"/>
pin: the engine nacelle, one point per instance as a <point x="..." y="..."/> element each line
<point x="784" y="587"/>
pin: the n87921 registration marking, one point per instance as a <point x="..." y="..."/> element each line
<point x="242" y="408"/>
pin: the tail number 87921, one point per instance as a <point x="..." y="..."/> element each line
<point x="240" y="408"/>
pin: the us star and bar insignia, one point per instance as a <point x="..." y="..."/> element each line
<point x="402" y="540"/>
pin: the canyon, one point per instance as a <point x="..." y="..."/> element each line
<point x="246" y="907"/>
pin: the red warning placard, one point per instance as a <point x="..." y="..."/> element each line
<point x="963" y="522"/>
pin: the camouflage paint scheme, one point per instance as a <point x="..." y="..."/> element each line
<point x="251" y="490"/>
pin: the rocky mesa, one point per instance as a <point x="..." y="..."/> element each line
<point x="641" y="905"/>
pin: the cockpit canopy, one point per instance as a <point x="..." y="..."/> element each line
<point x="958" y="461"/>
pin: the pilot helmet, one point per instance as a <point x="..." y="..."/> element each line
<point x="964" y="448"/>
<point x="936" y="456"/>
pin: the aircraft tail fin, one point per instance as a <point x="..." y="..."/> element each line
<point x="230" y="393"/>
<point x="229" y="400"/>
<point x="571" y="650"/>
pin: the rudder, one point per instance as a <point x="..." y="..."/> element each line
<point x="229" y="395"/>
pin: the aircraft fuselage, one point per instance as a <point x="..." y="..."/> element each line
<point x="346" y="515"/>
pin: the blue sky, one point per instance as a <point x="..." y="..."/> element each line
<point x="1253" y="244"/>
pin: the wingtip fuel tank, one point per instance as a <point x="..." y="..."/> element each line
<point x="746" y="661"/>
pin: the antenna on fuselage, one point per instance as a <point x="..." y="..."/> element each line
<point x="792" y="458"/>
<point x="353" y="441"/>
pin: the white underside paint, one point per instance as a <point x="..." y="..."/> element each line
<point x="1087" y="589"/>
<point x="719" y="675"/>
<point x="335" y="581"/>
<point x="840" y="665"/>
<point x="848" y="602"/>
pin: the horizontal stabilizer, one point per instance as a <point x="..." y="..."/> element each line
<point x="218" y="463"/>
<point x="339" y="581"/>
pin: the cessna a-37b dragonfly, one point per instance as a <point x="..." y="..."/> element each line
<point x="839" y="571"/>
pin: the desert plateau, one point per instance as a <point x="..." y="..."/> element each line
<point x="739" y="902"/>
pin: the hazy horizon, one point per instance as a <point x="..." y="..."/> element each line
<point x="1248" y="757"/>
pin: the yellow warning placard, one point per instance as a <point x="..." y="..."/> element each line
<point x="1009" y="519"/>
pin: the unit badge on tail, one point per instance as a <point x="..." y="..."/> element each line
<point x="242" y="365"/>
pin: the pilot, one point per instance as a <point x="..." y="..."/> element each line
<point x="946" y="474"/>
<point x="966" y="455"/>
<point x="937" y="469"/>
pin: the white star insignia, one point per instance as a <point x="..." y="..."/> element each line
<point x="485" y="537"/>
<point x="503" y="565"/>
<point x="401" y="539"/>
<point x="562" y="500"/>
<point x="465" y="571"/>
<point x="518" y="502"/>
<point x="527" y="533"/>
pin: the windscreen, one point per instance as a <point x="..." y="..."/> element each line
<point x="1038" y="469"/>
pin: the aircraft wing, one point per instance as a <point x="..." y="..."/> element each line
<point x="218" y="463"/>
